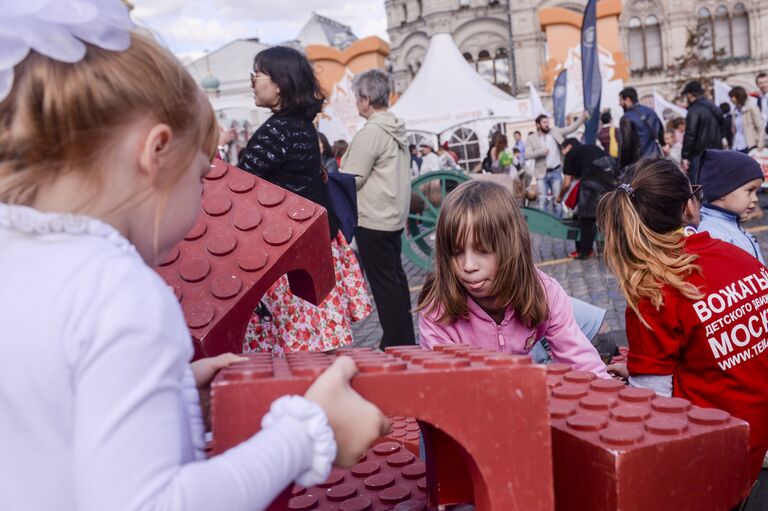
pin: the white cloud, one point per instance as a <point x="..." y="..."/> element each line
<point x="195" y="25"/>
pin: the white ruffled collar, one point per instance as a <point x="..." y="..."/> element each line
<point x="32" y="221"/>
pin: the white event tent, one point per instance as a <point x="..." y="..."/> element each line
<point x="448" y="99"/>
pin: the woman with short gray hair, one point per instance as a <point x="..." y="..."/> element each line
<point x="379" y="158"/>
<point x="374" y="85"/>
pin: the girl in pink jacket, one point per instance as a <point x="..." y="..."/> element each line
<point x="485" y="290"/>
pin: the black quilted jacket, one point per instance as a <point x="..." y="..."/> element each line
<point x="285" y="151"/>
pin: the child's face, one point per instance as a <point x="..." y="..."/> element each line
<point x="742" y="200"/>
<point x="475" y="268"/>
<point x="183" y="205"/>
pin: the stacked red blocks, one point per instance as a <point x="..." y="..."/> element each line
<point x="484" y="417"/>
<point x="626" y="449"/>
<point x="248" y="234"/>
<point x="405" y="431"/>
<point x="387" y="477"/>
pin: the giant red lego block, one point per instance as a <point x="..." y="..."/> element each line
<point x="248" y="233"/>
<point x="483" y="415"/>
<point x="387" y="477"/>
<point x="619" y="448"/>
<point x="405" y="431"/>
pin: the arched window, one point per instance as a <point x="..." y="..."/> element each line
<point x="416" y="139"/>
<point x="636" y="45"/>
<point x="485" y="65"/>
<point x="497" y="128"/>
<point x="722" y="26"/>
<point x="419" y="9"/>
<point x="706" y="41"/>
<point x="469" y="58"/>
<point x="652" y="32"/>
<point x="465" y="143"/>
<point x="644" y="43"/>
<point x="740" y="31"/>
<point x="501" y="69"/>
<point x="405" y="14"/>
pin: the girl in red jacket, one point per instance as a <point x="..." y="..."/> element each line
<point x="697" y="307"/>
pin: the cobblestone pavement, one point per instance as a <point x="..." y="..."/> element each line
<point x="587" y="280"/>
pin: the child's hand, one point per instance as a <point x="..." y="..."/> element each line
<point x="618" y="371"/>
<point x="355" y="422"/>
<point x="204" y="370"/>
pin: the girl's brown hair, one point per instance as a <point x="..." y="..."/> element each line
<point x="500" y="145"/>
<point x="739" y="96"/>
<point x="644" y="245"/>
<point x="62" y="117"/>
<point x="487" y="212"/>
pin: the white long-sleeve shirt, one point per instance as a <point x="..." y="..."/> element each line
<point x="98" y="406"/>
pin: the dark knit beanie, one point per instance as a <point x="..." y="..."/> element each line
<point x="721" y="172"/>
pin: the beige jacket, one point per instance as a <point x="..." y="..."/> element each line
<point x="378" y="156"/>
<point x="753" y="127"/>
<point x="536" y="148"/>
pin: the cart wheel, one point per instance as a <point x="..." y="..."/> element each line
<point x="427" y="194"/>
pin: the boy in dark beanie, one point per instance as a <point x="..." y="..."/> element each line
<point x="729" y="181"/>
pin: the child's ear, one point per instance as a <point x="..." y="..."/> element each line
<point x="155" y="149"/>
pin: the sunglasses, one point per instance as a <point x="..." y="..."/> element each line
<point x="696" y="192"/>
<point x="256" y="76"/>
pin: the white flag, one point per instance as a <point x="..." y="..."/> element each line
<point x="667" y="110"/>
<point x="722" y="91"/>
<point x="537" y="107"/>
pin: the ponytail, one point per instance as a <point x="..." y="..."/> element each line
<point x="644" y="245"/>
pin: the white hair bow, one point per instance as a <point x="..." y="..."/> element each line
<point x="58" y="29"/>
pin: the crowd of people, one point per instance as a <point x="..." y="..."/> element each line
<point x="102" y="161"/>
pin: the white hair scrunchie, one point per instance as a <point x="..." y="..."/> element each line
<point x="58" y="29"/>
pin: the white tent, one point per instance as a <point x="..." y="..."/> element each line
<point x="448" y="92"/>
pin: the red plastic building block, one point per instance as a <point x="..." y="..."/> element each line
<point x="387" y="477"/>
<point x="248" y="234"/>
<point x="618" y="448"/>
<point x="483" y="415"/>
<point x="405" y="431"/>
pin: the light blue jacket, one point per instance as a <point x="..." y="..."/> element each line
<point x="724" y="225"/>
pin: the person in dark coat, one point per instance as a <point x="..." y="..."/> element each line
<point x="703" y="128"/>
<point x="641" y="133"/>
<point x="596" y="172"/>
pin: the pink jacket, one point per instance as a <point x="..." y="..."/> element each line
<point x="568" y="343"/>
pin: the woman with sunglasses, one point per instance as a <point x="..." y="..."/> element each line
<point x="285" y="151"/>
<point x="697" y="307"/>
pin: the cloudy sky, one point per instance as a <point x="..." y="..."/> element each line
<point x="189" y="27"/>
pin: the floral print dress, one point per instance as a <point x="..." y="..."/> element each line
<point x="297" y="325"/>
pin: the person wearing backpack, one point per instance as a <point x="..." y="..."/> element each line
<point x="595" y="173"/>
<point x="608" y="135"/>
<point x="640" y="130"/>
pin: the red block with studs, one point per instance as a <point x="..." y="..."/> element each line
<point x="405" y="431"/>
<point x="248" y="234"/>
<point x="387" y="477"/>
<point x="619" y="448"/>
<point x="483" y="415"/>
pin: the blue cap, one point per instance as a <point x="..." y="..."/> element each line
<point x="721" y="172"/>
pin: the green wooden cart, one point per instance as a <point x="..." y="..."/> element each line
<point x="428" y="192"/>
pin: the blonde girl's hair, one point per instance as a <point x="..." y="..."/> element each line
<point x="644" y="244"/>
<point x="488" y="213"/>
<point x="62" y="117"/>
